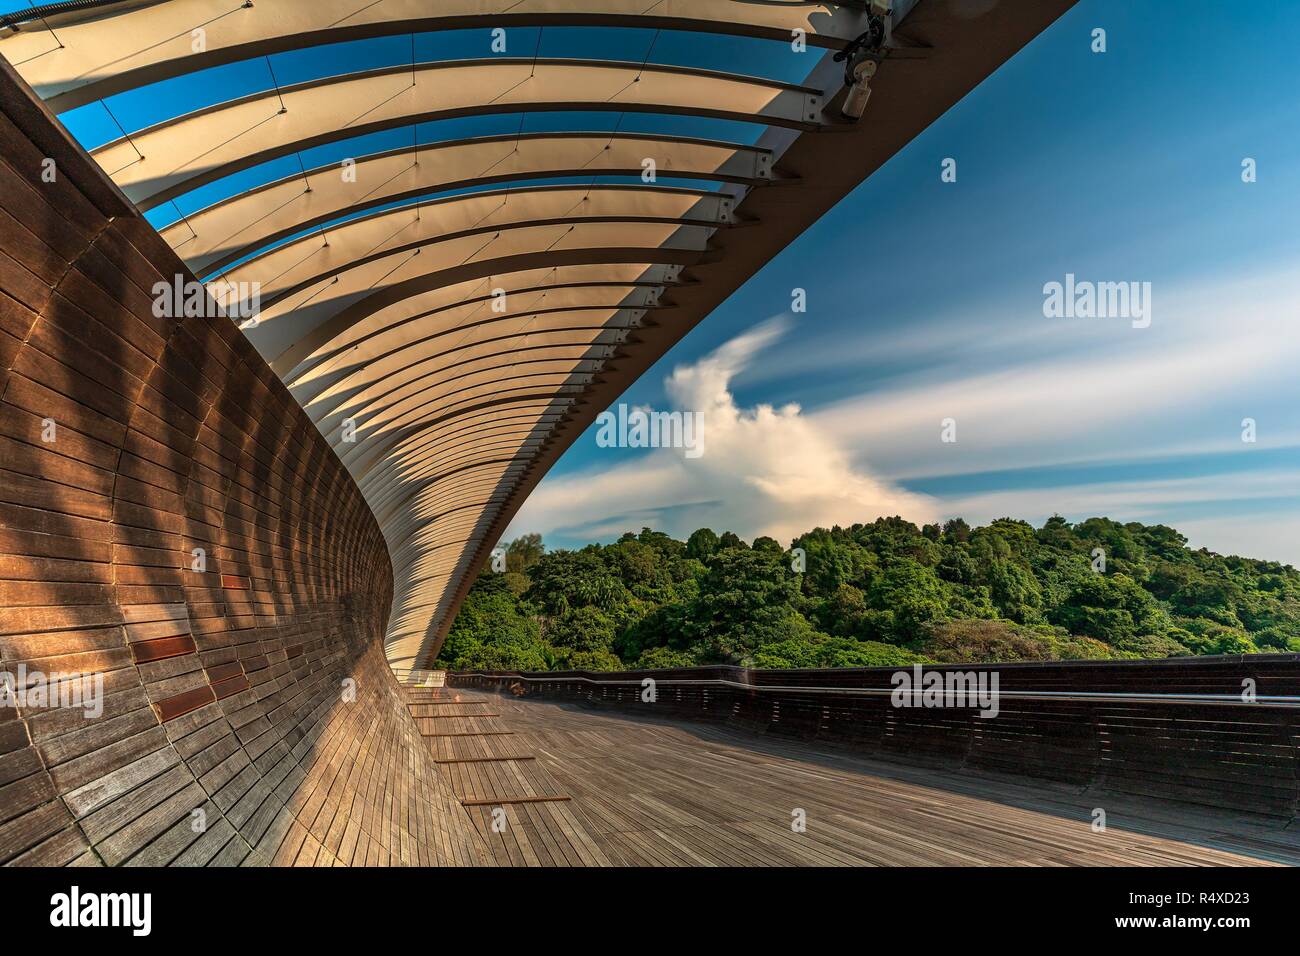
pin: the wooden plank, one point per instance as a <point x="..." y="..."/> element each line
<point x="501" y="801"/>
<point x="665" y="793"/>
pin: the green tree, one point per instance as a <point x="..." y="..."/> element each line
<point x="701" y="544"/>
<point x="524" y="552"/>
<point x="911" y="594"/>
<point x="881" y="593"/>
<point x="745" y="597"/>
<point x="581" y="629"/>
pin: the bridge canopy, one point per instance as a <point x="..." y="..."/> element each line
<point x="454" y="240"/>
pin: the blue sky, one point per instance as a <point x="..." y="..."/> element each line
<point x="925" y="298"/>
<point x="925" y="302"/>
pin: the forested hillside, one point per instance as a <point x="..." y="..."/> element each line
<point x="884" y="593"/>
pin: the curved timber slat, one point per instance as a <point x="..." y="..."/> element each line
<point x="225" y="232"/>
<point x="326" y="306"/>
<point x="555" y="366"/>
<point x="393" y="347"/>
<point x="162" y="162"/>
<point x="552" y="408"/>
<point x="408" y="456"/>
<point x="473" y="225"/>
<point x="518" y="351"/>
<point x="449" y="349"/>
<point x="100" y="57"/>
<point x="349" y="327"/>
<point x="378" y="436"/>
<point x="256" y="686"/>
<point x="402" y="364"/>
<point x="321" y="298"/>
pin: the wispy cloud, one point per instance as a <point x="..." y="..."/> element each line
<point x="1180" y="387"/>
<point x="1173" y="392"/>
<point x="1252" y="515"/>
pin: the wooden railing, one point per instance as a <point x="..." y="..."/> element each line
<point x="1216" y="731"/>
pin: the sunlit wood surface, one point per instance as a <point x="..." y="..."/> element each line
<point x="676" y="793"/>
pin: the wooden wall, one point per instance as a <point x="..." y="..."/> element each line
<point x="224" y="689"/>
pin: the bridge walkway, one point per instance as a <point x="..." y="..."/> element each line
<point x="669" y="792"/>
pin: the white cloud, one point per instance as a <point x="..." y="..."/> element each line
<point x="764" y="470"/>
<point x="1026" y="393"/>
<point x="1251" y="514"/>
<point x="1272" y="537"/>
<point x="1179" y="387"/>
<point x="1143" y="500"/>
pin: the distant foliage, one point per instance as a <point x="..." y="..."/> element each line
<point x="881" y="594"/>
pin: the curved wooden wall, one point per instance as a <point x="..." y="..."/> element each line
<point x="447" y="413"/>
<point x="249" y="715"/>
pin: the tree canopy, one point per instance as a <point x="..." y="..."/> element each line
<point x="881" y="594"/>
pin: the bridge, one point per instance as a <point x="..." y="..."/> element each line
<point x="612" y="782"/>
<point x="1087" y="763"/>
<point x="229" y="539"/>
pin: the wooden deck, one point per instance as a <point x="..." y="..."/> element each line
<point x="677" y="793"/>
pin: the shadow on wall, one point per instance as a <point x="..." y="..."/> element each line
<point x="181" y="545"/>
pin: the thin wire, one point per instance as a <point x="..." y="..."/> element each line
<point x="394" y="269"/>
<point x="653" y="41"/>
<point x="375" y="189"/>
<point x="519" y="133"/>
<point x="33" y="5"/>
<point x="303" y="169"/>
<point x="558" y="238"/>
<point x="276" y="84"/>
<point x="646" y="59"/>
<point x="533" y="71"/>
<point x="383" y="242"/>
<point x="272" y="212"/>
<point x="617" y="125"/>
<point x="323" y="287"/>
<point x="121" y="129"/>
<point x="285" y="271"/>
<point x="415" y="128"/>
<point x="193" y="234"/>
